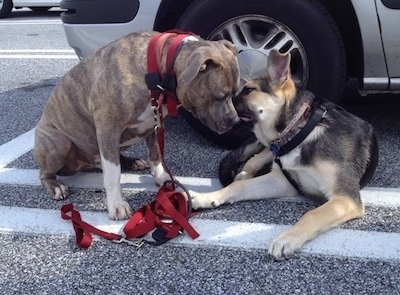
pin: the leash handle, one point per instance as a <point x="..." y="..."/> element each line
<point x="83" y="230"/>
<point x="168" y="204"/>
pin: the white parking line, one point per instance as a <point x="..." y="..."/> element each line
<point x="39" y="22"/>
<point x="38" y="56"/>
<point x="214" y="233"/>
<point x="371" y="196"/>
<point x="37" y="51"/>
<point x="338" y="242"/>
<point x="16" y="148"/>
<point x="381" y="197"/>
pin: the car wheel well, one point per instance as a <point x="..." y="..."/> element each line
<point x="346" y="20"/>
<point x="342" y="12"/>
<point x="169" y="13"/>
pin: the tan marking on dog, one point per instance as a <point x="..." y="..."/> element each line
<point x="268" y="186"/>
<point x="286" y="90"/>
<point x="335" y="212"/>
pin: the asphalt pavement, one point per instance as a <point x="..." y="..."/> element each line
<point x="38" y="254"/>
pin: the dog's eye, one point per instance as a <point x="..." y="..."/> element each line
<point x="246" y="90"/>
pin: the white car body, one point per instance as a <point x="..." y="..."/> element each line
<point x="378" y="26"/>
<point x="35" y="3"/>
<point x="6" y="6"/>
<point x="331" y="42"/>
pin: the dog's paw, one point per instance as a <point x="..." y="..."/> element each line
<point x="284" y="246"/>
<point x="202" y="201"/>
<point x="56" y="189"/>
<point x="242" y="176"/>
<point x="159" y="174"/>
<point x="128" y="163"/>
<point x="139" y="164"/>
<point x="119" y="211"/>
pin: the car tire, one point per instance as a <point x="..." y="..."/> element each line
<point x="6" y="8"/>
<point x="311" y="36"/>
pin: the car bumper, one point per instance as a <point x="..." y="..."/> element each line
<point x="91" y="24"/>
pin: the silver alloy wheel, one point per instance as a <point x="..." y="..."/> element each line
<point x="255" y="36"/>
<point x="1" y="4"/>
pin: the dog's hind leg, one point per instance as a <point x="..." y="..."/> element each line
<point x="334" y="212"/>
<point x="231" y="163"/>
<point x="128" y="163"/>
<point x="255" y="164"/>
<point x="54" y="154"/>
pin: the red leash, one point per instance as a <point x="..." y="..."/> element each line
<point x="169" y="213"/>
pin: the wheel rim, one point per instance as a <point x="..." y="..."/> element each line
<point x="1" y="4"/>
<point x="255" y="36"/>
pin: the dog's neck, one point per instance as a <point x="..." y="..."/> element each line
<point x="294" y="122"/>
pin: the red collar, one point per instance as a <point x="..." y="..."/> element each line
<point x="160" y="79"/>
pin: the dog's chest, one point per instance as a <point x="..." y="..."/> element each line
<point x="317" y="179"/>
<point x="140" y="128"/>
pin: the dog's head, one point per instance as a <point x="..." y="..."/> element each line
<point x="262" y="99"/>
<point x="208" y="78"/>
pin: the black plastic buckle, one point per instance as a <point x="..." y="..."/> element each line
<point x="152" y="80"/>
<point x="159" y="237"/>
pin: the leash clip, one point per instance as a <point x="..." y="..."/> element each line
<point x="136" y="245"/>
<point x="157" y="115"/>
<point x="275" y="149"/>
<point x="162" y="89"/>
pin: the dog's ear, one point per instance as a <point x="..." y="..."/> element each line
<point x="278" y="68"/>
<point x="197" y="63"/>
<point x="232" y="47"/>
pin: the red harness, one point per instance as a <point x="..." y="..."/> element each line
<point x="169" y="212"/>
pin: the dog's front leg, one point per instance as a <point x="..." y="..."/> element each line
<point x="335" y="212"/>
<point x="255" y="164"/>
<point x="271" y="185"/>
<point x="108" y="142"/>
<point x="155" y="160"/>
<point x="117" y="208"/>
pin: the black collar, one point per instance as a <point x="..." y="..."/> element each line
<point x="315" y="118"/>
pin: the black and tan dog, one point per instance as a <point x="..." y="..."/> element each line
<point x="102" y="105"/>
<point x="319" y="149"/>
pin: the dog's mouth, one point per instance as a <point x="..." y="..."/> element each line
<point x="246" y="117"/>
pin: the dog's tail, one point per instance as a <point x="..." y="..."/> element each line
<point x="373" y="162"/>
<point x="233" y="161"/>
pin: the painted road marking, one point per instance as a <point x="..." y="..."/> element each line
<point x="337" y="242"/>
<point x="15" y="148"/>
<point x="38" y="56"/>
<point x="12" y="51"/>
<point x="371" y="196"/>
<point x="30" y="22"/>
<point x="213" y="233"/>
<point x="381" y="197"/>
<point x="38" y="53"/>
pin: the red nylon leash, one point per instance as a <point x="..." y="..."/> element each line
<point x="83" y="230"/>
<point x="170" y="211"/>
